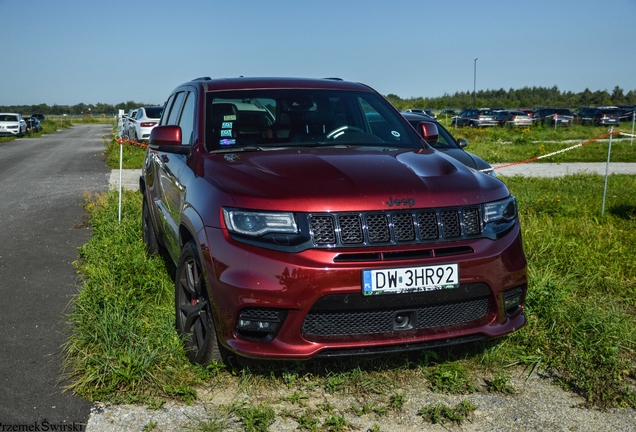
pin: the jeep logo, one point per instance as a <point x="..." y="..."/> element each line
<point x="401" y="202"/>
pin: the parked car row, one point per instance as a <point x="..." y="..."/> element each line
<point x="13" y="124"/>
<point x="486" y="117"/>
<point x="137" y="124"/>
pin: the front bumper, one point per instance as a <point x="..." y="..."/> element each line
<point x="8" y="131"/>
<point x="318" y="309"/>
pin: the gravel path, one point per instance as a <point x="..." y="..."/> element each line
<point x="537" y="404"/>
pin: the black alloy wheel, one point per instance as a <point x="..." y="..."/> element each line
<point x="193" y="311"/>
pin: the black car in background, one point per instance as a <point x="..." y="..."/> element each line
<point x="599" y="116"/>
<point x="33" y="124"/>
<point x="447" y="144"/>
<point x="553" y="116"/>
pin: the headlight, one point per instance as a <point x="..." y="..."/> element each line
<point x="256" y="223"/>
<point x="501" y="211"/>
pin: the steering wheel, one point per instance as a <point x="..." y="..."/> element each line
<point x="337" y="132"/>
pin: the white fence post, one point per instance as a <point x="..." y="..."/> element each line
<point x="121" y="162"/>
<point x="609" y="151"/>
<point x="633" y="120"/>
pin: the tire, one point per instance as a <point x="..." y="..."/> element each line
<point x="148" y="230"/>
<point x="193" y="311"/>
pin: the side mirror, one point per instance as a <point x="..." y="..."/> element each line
<point x="429" y="132"/>
<point x="462" y="143"/>
<point x="167" y="139"/>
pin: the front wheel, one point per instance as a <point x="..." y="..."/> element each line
<point x="193" y="310"/>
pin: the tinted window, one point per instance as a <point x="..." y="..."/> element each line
<point x="173" y="117"/>
<point x="187" y="120"/>
<point x="164" y="119"/>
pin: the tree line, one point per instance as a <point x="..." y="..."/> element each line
<point x="526" y="97"/>
<point x="80" y="109"/>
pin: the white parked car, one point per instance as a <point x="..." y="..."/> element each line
<point x="12" y="124"/>
<point x="143" y="122"/>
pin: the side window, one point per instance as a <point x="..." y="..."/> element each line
<point x="187" y="119"/>
<point x="166" y="111"/>
<point x="173" y="118"/>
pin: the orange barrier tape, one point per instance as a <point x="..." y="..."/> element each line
<point x="123" y="140"/>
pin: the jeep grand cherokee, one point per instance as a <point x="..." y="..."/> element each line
<point x="307" y="217"/>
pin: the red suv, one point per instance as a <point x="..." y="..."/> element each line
<point x="307" y="217"/>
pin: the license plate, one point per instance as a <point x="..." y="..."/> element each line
<point x="410" y="279"/>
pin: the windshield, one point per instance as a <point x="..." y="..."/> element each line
<point x="303" y="117"/>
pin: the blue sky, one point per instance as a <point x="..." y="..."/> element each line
<point x="77" y="51"/>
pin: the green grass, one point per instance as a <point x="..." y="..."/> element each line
<point x="440" y="414"/>
<point x="582" y="298"/>
<point x="132" y="155"/>
<point x="123" y="346"/>
<point x="503" y="145"/>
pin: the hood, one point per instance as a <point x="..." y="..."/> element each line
<point x="348" y="179"/>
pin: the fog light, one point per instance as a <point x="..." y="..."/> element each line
<point x="513" y="299"/>
<point x="260" y="324"/>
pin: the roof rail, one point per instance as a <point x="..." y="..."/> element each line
<point x="202" y="79"/>
<point x="335" y="79"/>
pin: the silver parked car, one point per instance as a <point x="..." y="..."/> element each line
<point x="514" y="118"/>
<point x="12" y="124"/>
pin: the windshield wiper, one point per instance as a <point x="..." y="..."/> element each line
<point x="237" y="149"/>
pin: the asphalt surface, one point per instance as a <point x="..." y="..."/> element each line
<point x="42" y="185"/>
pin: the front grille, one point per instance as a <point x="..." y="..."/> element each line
<point x="367" y="322"/>
<point x="390" y="228"/>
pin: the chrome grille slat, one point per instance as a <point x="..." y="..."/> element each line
<point x="394" y="227"/>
